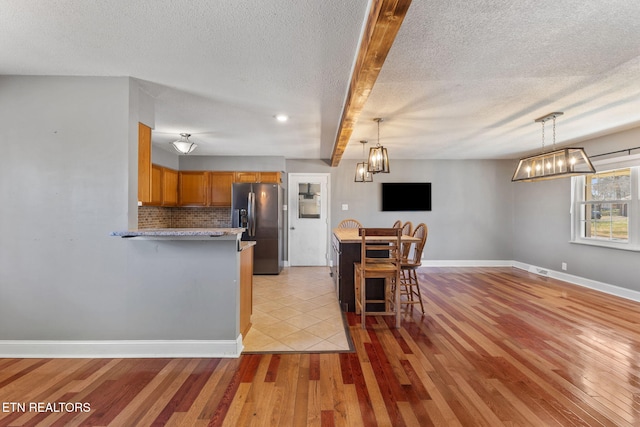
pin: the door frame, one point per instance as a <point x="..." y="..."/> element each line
<point x="291" y="212"/>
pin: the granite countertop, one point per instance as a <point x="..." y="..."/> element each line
<point x="179" y="232"/>
<point x="244" y="244"/>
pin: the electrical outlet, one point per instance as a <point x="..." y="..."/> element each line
<point x="345" y="207"/>
<point x="564" y="266"/>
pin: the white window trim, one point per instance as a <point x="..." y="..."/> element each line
<point x="577" y="197"/>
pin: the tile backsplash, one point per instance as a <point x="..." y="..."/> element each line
<point x="166" y="217"/>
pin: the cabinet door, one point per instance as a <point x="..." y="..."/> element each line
<point x="270" y="177"/>
<point x="169" y="187"/>
<point x="247" y="177"/>
<point x="156" y="186"/>
<point x="193" y="188"/>
<point x="246" y="289"/>
<point x="220" y="183"/>
<point x="144" y="163"/>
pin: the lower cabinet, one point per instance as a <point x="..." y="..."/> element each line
<point x="246" y="289"/>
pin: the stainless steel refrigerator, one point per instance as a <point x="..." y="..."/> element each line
<point x="258" y="209"/>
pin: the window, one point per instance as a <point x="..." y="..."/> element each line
<point x="605" y="209"/>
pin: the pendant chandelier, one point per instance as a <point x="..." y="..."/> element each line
<point x="378" y="159"/>
<point x="553" y="164"/>
<point x="362" y="169"/>
<point x="183" y="145"/>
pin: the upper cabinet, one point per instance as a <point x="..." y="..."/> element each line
<point x="156" y="185"/>
<point x="246" y="177"/>
<point x="193" y="187"/>
<point x="265" y="177"/>
<point x="144" y="163"/>
<point x="220" y="188"/>
<point x="169" y="187"/>
<point x="270" y="177"/>
<point x="164" y="187"/>
<point x="204" y="188"/>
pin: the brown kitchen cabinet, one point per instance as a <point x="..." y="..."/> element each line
<point x="156" y="186"/>
<point x="144" y="163"/>
<point x="264" y="177"/>
<point x="246" y="289"/>
<point x="270" y="177"/>
<point x="193" y="187"/>
<point x="220" y="188"/>
<point x="246" y="177"/>
<point x="164" y="187"/>
<point x="169" y="187"/>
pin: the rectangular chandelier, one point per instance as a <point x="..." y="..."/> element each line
<point x="554" y="164"/>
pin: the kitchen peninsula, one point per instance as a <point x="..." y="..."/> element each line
<point x="202" y="286"/>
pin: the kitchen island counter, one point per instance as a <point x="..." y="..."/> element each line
<point x="196" y="290"/>
<point x="179" y="233"/>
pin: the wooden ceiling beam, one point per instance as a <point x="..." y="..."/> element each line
<point x="383" y="23"/>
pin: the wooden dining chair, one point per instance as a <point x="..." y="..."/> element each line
<point x="380" y="258"/>
<point x="409" y="285"/>
<point x="349" y="223"/>
<point x="397" y="224"/>
<point x="407" y="230"/>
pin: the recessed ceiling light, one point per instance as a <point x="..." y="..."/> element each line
<point x="282" y="118"/>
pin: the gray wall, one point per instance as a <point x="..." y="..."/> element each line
<point x="233" y="163"/>
<point x="70" y="181"/>
<point x="542" y="226"/>
<point x="471" y="203"/>
<point x="165" y="158"/>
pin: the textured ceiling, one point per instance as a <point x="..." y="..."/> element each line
<point x="463" y="79"/>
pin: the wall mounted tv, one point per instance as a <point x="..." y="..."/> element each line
<point x="406" y="196"/>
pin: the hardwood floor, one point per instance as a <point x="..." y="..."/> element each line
<point x="498" y="347"/>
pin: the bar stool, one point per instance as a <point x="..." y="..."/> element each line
<point x="407" y="229"/>
<point x="409" y="286"/>
<point x="380" y="258"/>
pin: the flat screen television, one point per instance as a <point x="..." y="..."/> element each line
<point x="406" y="196"/>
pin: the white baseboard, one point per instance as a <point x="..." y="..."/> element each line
<point x="467" y="263"/>
<point x="576" y="280"/>
<point x="121" y="349"/>
<point x="581" y="281"/>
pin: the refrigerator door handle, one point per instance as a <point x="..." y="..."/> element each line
<point x="251" y="204"/>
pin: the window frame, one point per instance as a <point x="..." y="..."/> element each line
<point x="578" y="189"/>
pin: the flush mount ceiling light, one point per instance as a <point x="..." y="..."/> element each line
<point x="378" y="161"/>
<point x="362" y="169"/>
<point x="183" y="145"/>
<point x="555" y="163"/>
<point x="282" y="118"/>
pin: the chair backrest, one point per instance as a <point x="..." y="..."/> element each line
<point x="407" y="229"/>
<point x="380" y="246"/>
<point x="421" y="233"/>
<point x="349" y="223"/>
<point x="397" y="224"/>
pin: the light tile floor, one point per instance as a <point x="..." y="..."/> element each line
<point x="296" y="310"/>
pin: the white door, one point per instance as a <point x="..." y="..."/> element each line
<point x="308" y="219"/>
